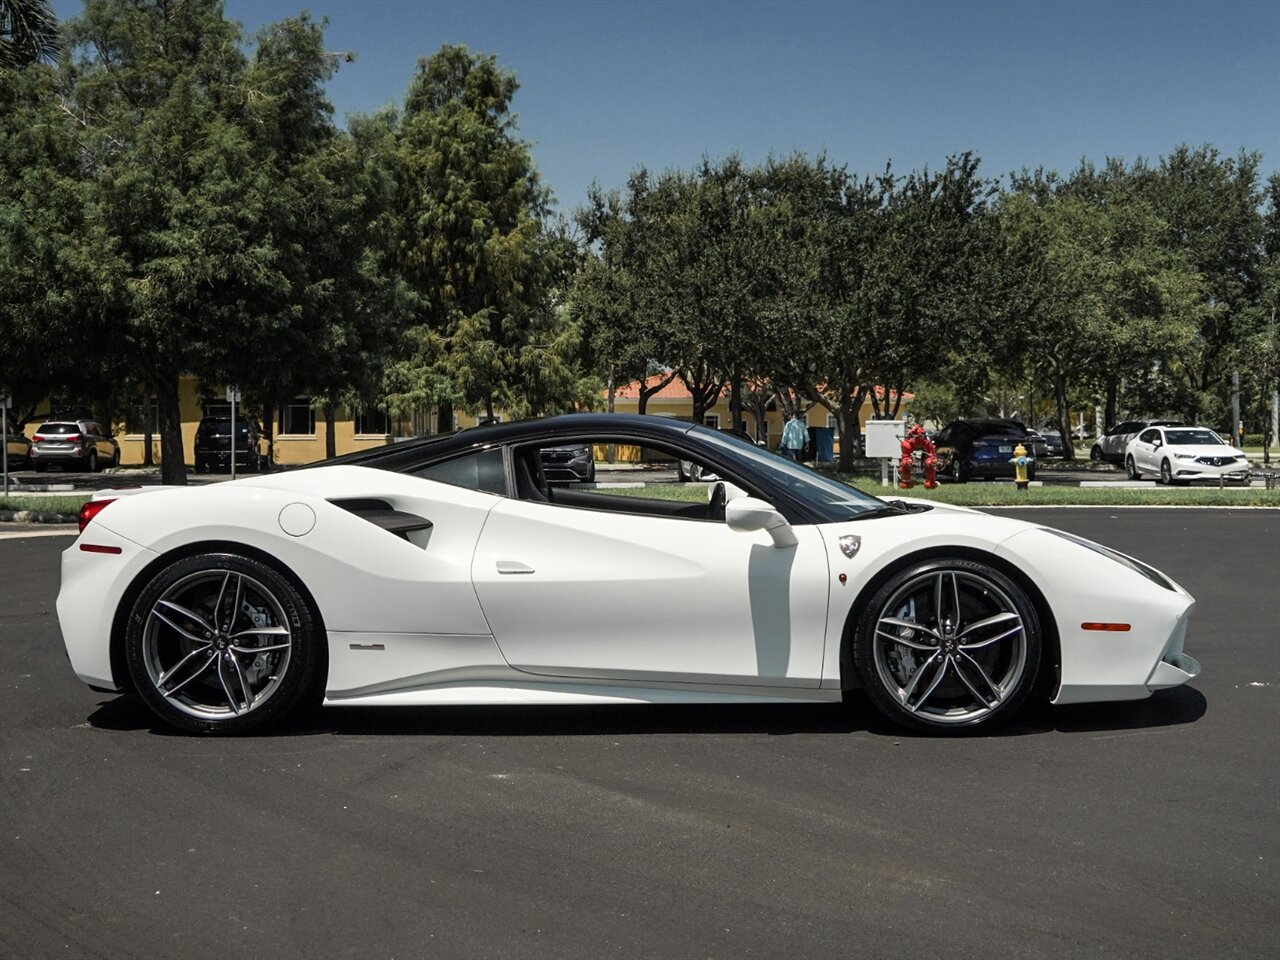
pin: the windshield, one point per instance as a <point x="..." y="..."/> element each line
<point x="829" y="498"/>
<point x="1194" y="438"/>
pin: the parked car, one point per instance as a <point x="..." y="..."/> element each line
<point x="1182" y="454"/>
<point x="438" y="571"/>
<point x="687" y="471"/>
<point x="213" y="445"/>
<point x="574" y="463"/>
<point x="1111" y="446"/>
<point x="82" y="444"/>
<point x="982" y="447"/>
<point x="1053" y="445"/>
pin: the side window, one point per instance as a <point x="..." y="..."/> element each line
<point x="1149" y="436"/>
<point x="481" y="470"/>
<point x="613" y="474"/>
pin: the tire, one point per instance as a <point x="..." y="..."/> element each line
<point x="200" y="672"/>
<point x="1166" y="473"/>
<point x="688" y="471"/>
<point x="1096" y="454"/>
<point x="959" y="473"/>
<point x="899" y="638"/>
<point x="1131" y="468"/>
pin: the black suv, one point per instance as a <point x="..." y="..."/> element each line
<point x="213" y="445"/>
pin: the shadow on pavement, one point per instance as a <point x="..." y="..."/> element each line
<point x="1168" y="708"/>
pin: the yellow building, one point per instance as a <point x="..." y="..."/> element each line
<point x="674" y="400"/>
<point x="297" y="428"/>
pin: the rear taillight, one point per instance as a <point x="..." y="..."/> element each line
<point x="38" y="438"/>
<point x="72" y="438"/>
<point x="90" y="509"/>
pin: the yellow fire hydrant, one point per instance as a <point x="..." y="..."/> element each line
<point x="1021" y="466"/>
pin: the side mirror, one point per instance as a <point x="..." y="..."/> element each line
<point x="746" y="514"/>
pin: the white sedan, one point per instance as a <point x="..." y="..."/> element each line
<point x="448" y="571"/>
<point x="1182" y="454"/>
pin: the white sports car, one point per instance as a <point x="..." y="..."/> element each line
<point x="447" y="571"/>
<point x="1182" y="454"/>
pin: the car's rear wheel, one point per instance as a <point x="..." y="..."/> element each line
<point x="221" y="644"/>
<point x="959" y="473"/>
<point x="1131" y="468"/>
<point x="947" y="645"/>
<point x="91" y="461"/>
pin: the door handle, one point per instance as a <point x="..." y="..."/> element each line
<point x="513" y="566"/>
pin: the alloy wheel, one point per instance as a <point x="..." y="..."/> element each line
<point x="952" y="645"/>
<point x="216" y="644"/>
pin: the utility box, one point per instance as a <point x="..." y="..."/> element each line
<point x="882" y="439"/>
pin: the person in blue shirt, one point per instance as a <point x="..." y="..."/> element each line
<point x="794" y="436"/>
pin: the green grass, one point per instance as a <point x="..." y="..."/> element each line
<point x="68" y="506"/>
<point x="1006" y="495"/>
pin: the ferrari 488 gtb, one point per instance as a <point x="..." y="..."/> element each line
<point x="449" y="571"/>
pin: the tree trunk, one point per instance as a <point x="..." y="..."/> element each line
<point x="173" y="466"/>
<point x="444" y="418"/>
<point x="148" y="432"/>
<point x="330" y="431"/>
<point x="850" y="431"/>
<point x="735" y="400"/>
<point x="1109" y="413"/>
<point x="1064" y="414"/>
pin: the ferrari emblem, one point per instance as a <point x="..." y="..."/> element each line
<point x="849" y="544"/>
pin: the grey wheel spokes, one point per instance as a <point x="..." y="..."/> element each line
<point x="950" y="646"/>
<point x="217" y="644"/>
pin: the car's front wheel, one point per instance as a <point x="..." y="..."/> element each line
<point x="219" y="643"/>
<point x="1096" y="453"/>
<point x="946" y="645"/>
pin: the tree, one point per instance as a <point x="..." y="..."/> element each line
<point x="159" y="97"/>
<point x="28" y="33"/>
<point x="1088" y="287"/>
<point x="60" y="273"/>
<point x="335" y="315"/>
<point x="474" y="244"/>
<point x="613" y="295"/>
<point x="1209" y="205"/>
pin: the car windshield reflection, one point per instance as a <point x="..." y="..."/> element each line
<point x="829" y="498"/>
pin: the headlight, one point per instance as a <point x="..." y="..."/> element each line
<point x="1137" y="566"/>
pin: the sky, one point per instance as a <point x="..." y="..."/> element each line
<point x="606" y="87"/>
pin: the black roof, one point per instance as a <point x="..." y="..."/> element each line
<point x="565" y="427"/>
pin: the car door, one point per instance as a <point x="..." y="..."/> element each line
<point x="589" y="593"/>
<point x="1144" y="451"/>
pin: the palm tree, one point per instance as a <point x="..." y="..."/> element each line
<point x="28" y="32"/>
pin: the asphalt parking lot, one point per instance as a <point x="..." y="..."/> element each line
<point x="1120" y="830"/>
